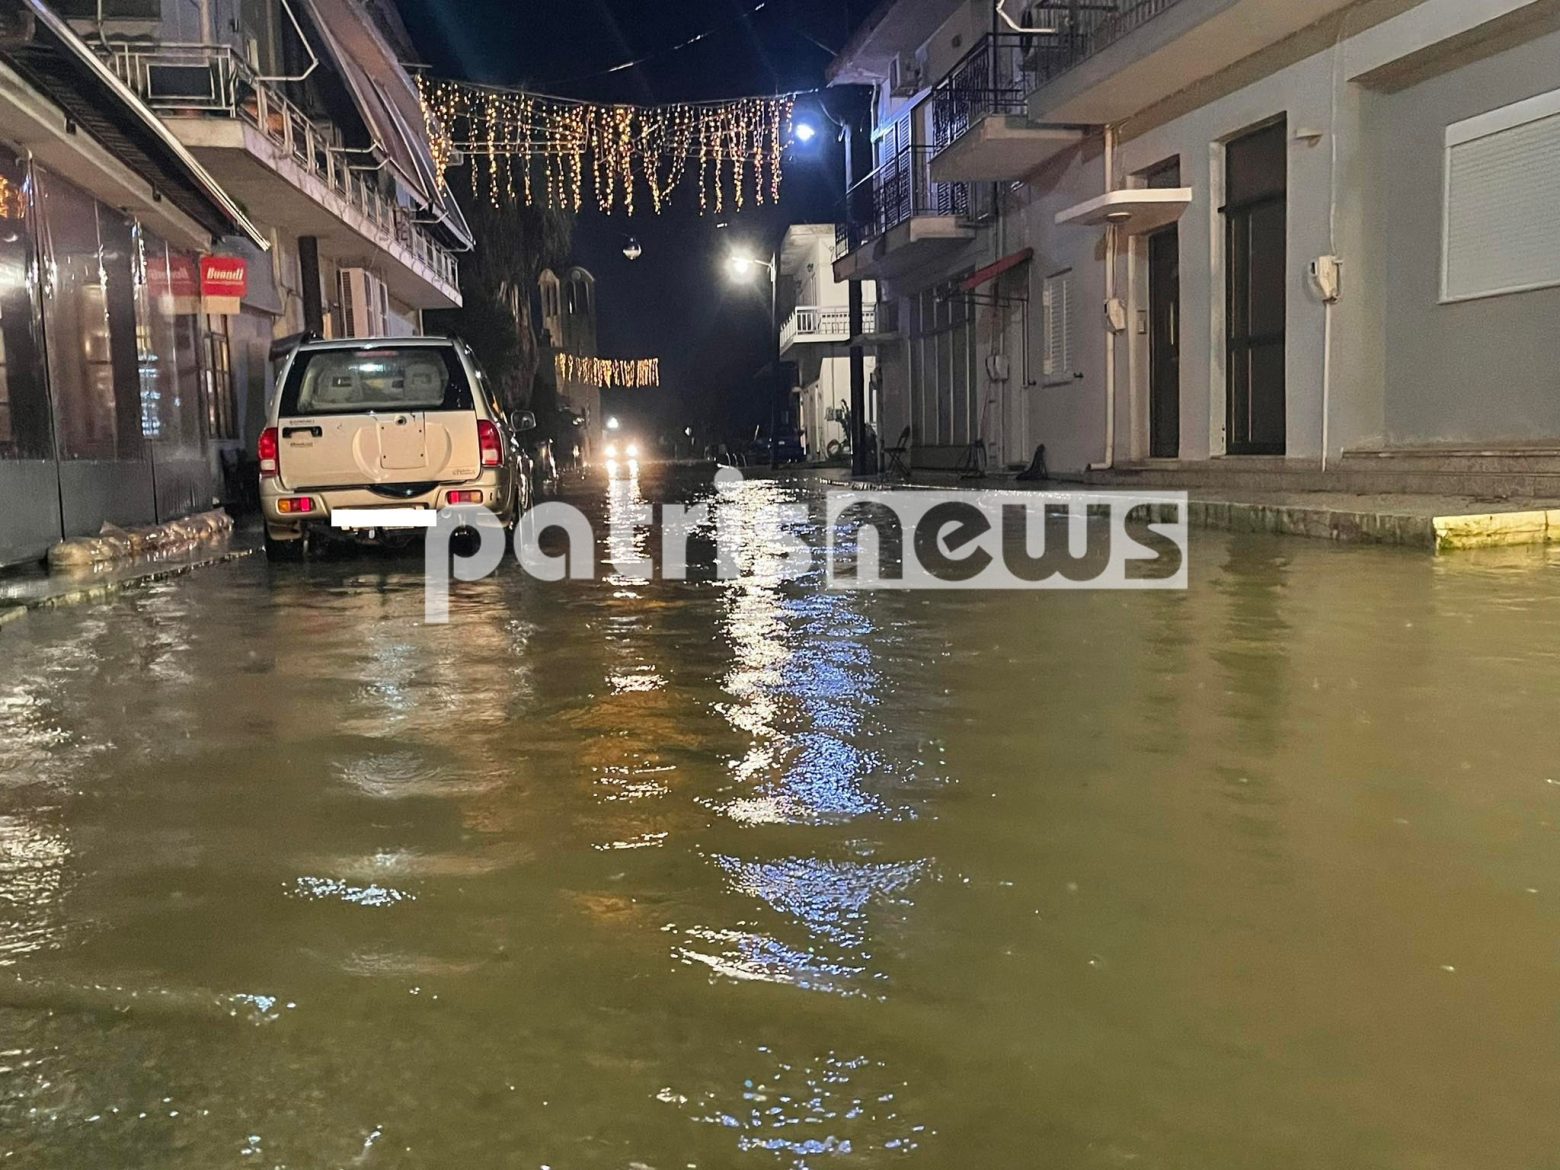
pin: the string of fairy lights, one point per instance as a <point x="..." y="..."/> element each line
<point x="608" y="373"/>
<point x="539" y="149"/>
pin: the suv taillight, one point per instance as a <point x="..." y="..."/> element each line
<point x="268" y="449"/>
<point x="491" y="443"/>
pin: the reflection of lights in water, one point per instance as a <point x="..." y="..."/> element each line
<point x="620" y="783"/>
<point x="628" y="539"/>
<point x="746" y="956"/>
<point x="643" y="678"/>
<point x="32" y="864"/>
<point x="643" y="841"/>
<point x="318" y="888"/>
<point x="800" y="677"/>
<point x="833" y="1104"/>
<point x="830" y="898"/>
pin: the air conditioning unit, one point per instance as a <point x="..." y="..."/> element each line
<point x="365" y="304"/>
<point x="904" y="75"/>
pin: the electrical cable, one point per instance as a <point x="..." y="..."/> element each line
<point x="654" y="54"/>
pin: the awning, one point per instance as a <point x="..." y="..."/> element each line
<point x="989" y="273"/>
<point x="60" y="64"/>
<point x="388" y="103"/>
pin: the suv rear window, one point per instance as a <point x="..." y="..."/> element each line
<point x="361" y="381"/>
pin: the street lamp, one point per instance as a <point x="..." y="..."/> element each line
<point x="740" y="267"/>
<point x="804" y="132"/>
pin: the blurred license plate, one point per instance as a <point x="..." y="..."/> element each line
<point x="383" y="518"/>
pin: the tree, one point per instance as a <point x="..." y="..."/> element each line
<point x="514" y="244"/>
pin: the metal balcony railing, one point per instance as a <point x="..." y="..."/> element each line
<point x="898" y="191"/>
<point x="181" y="80"/>
<point x="829" y="323"/>
<point x="1003" y="70"/>
<point x="995" y="77"/>
<point x="1083" y="28"/>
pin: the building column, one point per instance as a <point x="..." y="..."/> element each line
<point x="309" y="277"/>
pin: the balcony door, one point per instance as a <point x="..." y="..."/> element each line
<point x="1255" y="216"/>
<point x="1164" y="329"/>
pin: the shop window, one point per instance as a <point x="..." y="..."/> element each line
<point x="89" y="323"/>
<point x="1498" y="226"/>
<point x="24" y="401"/>
<point x="221" y="398"/>
<point x="169" y="341"/>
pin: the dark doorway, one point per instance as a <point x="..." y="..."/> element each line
<point x="1164" y="330"/>
<point x="1255" y="214"/>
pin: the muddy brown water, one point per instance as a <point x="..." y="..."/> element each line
<point x="625" y="874"/>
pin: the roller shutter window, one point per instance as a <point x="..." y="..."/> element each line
<point x="1500" y="232"/>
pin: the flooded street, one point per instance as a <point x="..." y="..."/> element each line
<point x="746" y="873"/>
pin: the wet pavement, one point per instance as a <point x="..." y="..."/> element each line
<point x="714" y="874"/>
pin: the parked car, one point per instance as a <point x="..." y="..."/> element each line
<point x="378" y="426"/>
<point x="788" y="448"/>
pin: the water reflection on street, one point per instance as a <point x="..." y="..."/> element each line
<point x="711" y="873"/>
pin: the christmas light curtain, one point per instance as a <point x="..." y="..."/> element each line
<point x="551" y="150"/>
<point x="632" y="373"/>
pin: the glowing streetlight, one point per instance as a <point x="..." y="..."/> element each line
<point x="740" y="268"/>
<point x="612" y="422"/>
<point x="804" y="132"/>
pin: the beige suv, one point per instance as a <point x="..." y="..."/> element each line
<point x="368" y="437"/>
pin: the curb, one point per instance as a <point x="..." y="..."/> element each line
<point x="1404" y="529"/>
<point x="106" y="590"/>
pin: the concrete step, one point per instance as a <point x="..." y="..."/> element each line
<point x="1492" y="476"/>
<point x="1457" y="460"/>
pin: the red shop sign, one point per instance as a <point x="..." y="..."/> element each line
<point x="224" y="276"/>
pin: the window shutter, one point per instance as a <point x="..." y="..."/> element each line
<point x="1500" y="234"/>
<point x="1056" y="313"/>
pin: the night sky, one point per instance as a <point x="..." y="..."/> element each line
<point x="673" y="302"/>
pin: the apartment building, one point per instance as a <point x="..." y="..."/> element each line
<point x="815" y="338"/>
<point x="303" y="112"/>
<point x="106" y="403"/>
<point x="569" y="318"/>
<point x="1299" y="234"/>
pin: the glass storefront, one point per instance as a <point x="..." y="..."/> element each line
<point x="122" y="329"/>
<point x="89" y="323"/>
<point x="167" y="297"/>
<point x="105" y="359"/>
<point x="25" y="430"/>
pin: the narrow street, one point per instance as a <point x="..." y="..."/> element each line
<point x="705" y="874"/>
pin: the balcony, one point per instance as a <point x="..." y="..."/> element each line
<point x="1111" y="59"/>
<point x="980" y="121"/>
<point x="829" y="325"/>
<point x="285" y="167"/>
<point x="899" y="218"/>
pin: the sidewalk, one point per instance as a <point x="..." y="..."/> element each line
<point x="1437" y="523"/>
<point x="23" y="590"/>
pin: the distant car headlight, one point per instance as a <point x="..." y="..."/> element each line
<point x="632" y="451"/>
<point x="611" y="450"/>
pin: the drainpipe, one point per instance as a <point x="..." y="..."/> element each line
<point x="1111" y="231"/>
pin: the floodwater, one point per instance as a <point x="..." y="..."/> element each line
<point x="624" y="874"/>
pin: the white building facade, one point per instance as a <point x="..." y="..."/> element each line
<point x="1256" y="233"/>
<point x="815" y="338"/>
<point x="302" y="110"/>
